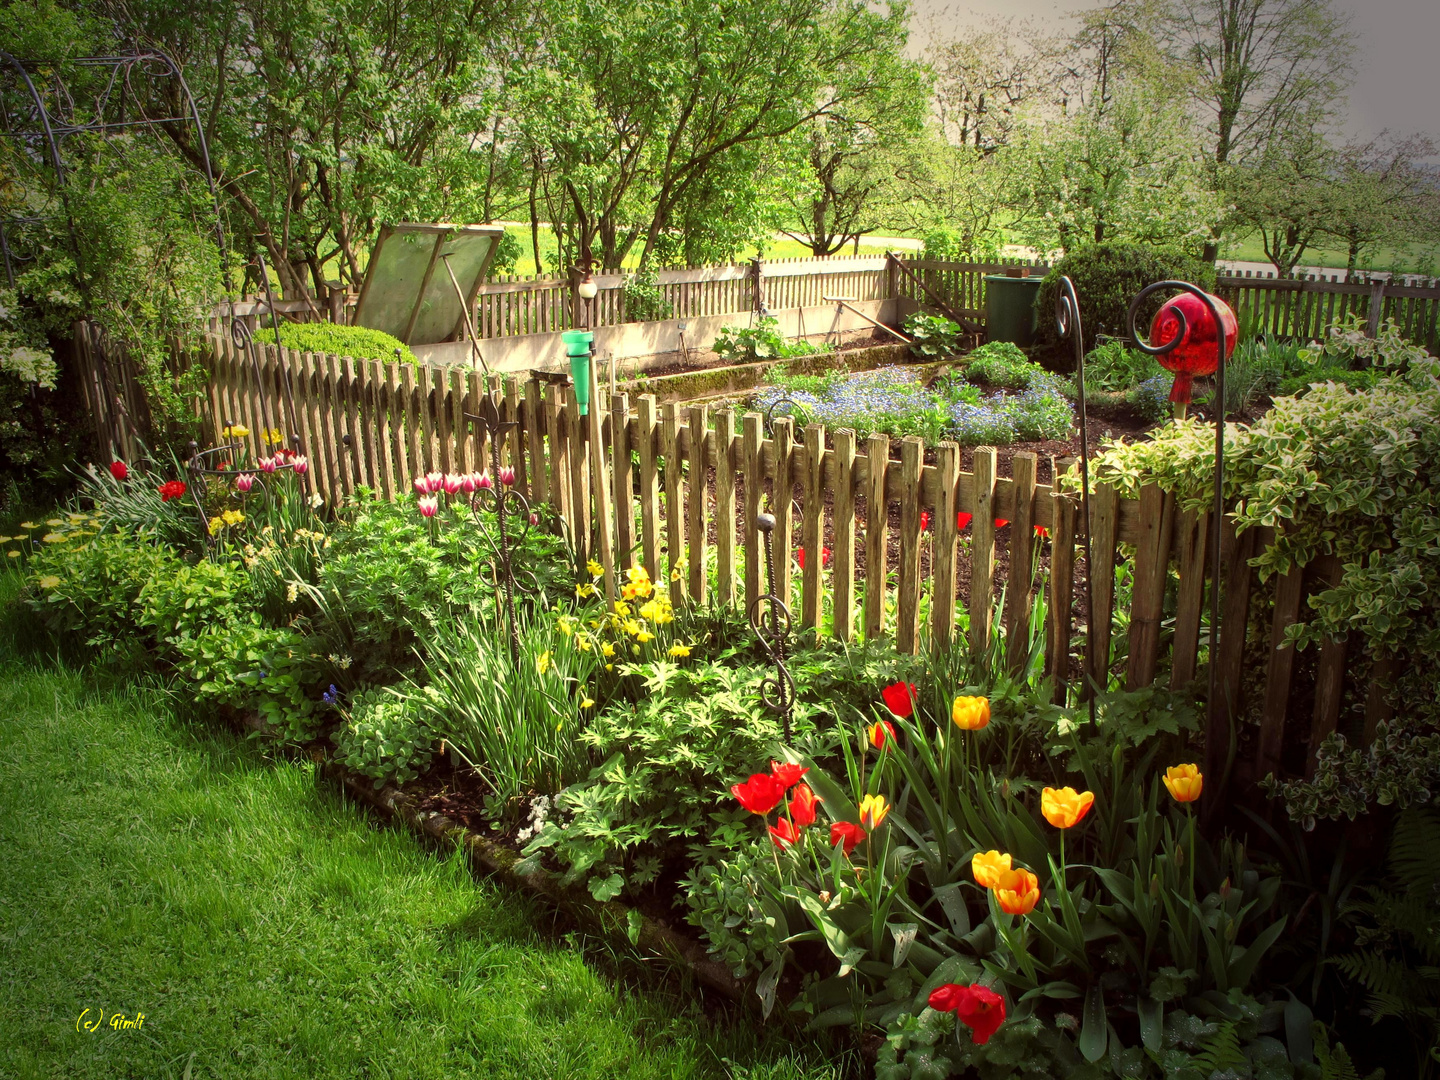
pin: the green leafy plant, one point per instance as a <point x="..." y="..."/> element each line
<point x="1113" y="365"/>
<point x="934" y="336"/>
<point x="384" y="736"/>
<point x="644" y="298"/>
<point x="1001" y="363"/>
<point x="763" y="341"/>
<point x="338" y="339"/>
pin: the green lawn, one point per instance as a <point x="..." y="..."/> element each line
<point x="153" y="862"/>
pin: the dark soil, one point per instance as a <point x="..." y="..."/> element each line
<point x="680" y="363"/>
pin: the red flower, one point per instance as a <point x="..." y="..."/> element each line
<point x="924" y="520"/>
<point x="783" y="834"/>
<point x="788" y="774"/>
<point x="1000" y="523"/>
<point x="846" y="832"/>
<point x="760" y="794"/>
<point x="1041" y="531"/>
<point x="119" y="470"/>
<point x="882" y="732"/>
<point x="962" y="520"/>
<point x="825" y="554"/>
<point x="171" y="489"/>
<point x="900" y="698"/>
<point x="978" y="1007"/>
<point x="802" y="806"/>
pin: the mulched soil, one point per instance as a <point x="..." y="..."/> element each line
<point x="678" y="363"/>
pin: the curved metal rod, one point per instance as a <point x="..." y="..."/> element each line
<point x="1068" y="324"/>
<point x="1216" y="757"/>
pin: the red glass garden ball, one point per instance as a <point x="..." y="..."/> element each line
<point x="1196" y="353"/>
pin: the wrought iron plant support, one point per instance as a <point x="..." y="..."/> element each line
<point x="777" y="692"/>
<point x="1068" y="324"/>
<point x="1216" y="746"/>
<point x="499" y="497"/>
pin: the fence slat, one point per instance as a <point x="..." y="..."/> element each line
<point x="843" y="618"/>
<point x="623" y="470"/>
<point x="535" y="432"/>
<point x="1022" y="547"/>
<point x="942" y="599"/>
<point x="1147" y="603"/>
<point x="559" y="457"/>
<point x="877" y="516"/>
<point x="329" y="435"/>
<point x="514" y="414"/>
<point x="982" y="550"/>
<point x="1193" y="534"/>
<point x="1289" y="591"/>
<point x="674" y="500"/>
<point x="812" y="532"/>
<point x="649" y="485"/>
<point x="782" y="500"/>
<point x="1062" y="585"/>
<point x="725" y="450"/>
<point x="604" y="518"/>
<point x="1104" y="509"/>
<point x="754" y="490"/>
<point x="572" y="435"/>
<point x="1236" y="552"/>
<point x="698" y="504"/>
<point x="907" y="625"/>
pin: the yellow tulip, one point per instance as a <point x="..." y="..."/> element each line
<point x="1184" y="782"/>
<point x="988" y="866"/>
<point x="872" y="811"/>
<point x="1064" y="807"/>
<point x="1017" y="891"/>
<point x="970" y="713"/>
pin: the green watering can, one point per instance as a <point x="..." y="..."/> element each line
<point x="577" y="347"/>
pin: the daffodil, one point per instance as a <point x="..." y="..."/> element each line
<point x="679" y="652"/>
<point x="587" y="703"/>
<point x="542" y="662"/>
<point x="643" y="636"/>
<point x="595" y="568"/>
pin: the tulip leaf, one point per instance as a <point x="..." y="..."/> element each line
<point x="954" y="907"/>
<point x="1299" y="1039"/>
<point x="1094" y="1031"/>
<point x="1152" y="1016"/>
<point x="766" y="985"/>
<point x="1243" y="967"/>
<point x="904" y="935"/>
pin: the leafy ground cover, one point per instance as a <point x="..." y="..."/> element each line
<point x="153" y="863"/>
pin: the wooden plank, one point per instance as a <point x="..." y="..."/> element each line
<point x="332" y="428"/>
<point x="410" y="403"/>
<point x="384" y="459"/>
<point x="698" y="503"/>
<point x="907" y="619"/>
<point x="1062" y="590"/>
<point x="367" y="393"/>
<point x="1379" y="704"/>
<point x="1022" y="562"/>
<point x="535" y="431"/>
<point x="782" y="502"/>
<point x="572" y="427"/>
<point x="350" y="395"/>
<point x="1104" y="505"/>
<point x="1147" y="601"/>
<point x="514" y="412"/>
<point x="942" y="598"/>
<point x="1325" y="572"/>
<point x="725" y="450"/>
<point x="1289" y="590"/>
<point x="649" y="486"/>
<point x="674" y="499"/>
<point x="315" y="417"/>
<point x="623" y="470"/>
<point x="444" y="440"/>
<point x="469" y="432"/>
<point x="812" y="527"/>
<point x="559" y="457"/>
<point x="982" y="550"/>
<point x="752" y="426"/>
<point x="460" y="446"/>
<point x="1236" y="552"/>
<point x="1193" y="533"/>
<point x="843" y="516"/>
<point x="877" y="456"/>
<point x="599" y="482"/>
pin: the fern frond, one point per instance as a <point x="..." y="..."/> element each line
<point x="1221" y="1051"/>
<point x="1415" y="848"/>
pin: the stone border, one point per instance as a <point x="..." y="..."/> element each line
<point x="610" y="917"/>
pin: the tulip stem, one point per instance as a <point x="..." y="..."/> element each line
<point x="1064" y="877"/>
<point x="1190" y="820"/>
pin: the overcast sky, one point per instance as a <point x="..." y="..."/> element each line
<point x="1397" y="82"/>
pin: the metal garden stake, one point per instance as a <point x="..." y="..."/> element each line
<point x="777" y="692"/>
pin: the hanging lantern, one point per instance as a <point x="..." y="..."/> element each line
<point x="1196" y="352"/>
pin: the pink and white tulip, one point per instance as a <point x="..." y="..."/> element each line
<point x="244" y="482"/>
<point x="483" y="482"/>
<point x="434" y="482"/>
<point x="534" y="519"/>
<point x="451" y="483"/>
<point x="269" y="464"/>
<point x="301" y="464"/>
<point x="469" y="481"/>
<point x="427" y="505"/>
<point x="507" y="476"/>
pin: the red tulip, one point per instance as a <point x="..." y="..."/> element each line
<point x="1041" y="531"/>
<point x="760" y="794"/>
<point x="1000" y="523"/>
<point x="825" y="554"/>
<point x="788" y="774"/>
<point x="171" y="489"/>
<point x="848" y="833"/>
<point x="802" y="806"/>
<point x="783" y="834"/>
<point x="978" y="1007"/>
<point x="119" y="470"/>
<point x="900" y="698"/>
<point x="962" y="520"/>
<point x="924" y="520"/>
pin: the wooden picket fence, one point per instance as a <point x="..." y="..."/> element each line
<point x="633" y="482"/>
<point x="1305" y="308"/>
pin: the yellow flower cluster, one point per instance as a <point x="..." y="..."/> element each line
<point x="228" y="519"/>
<point x="74" y="526"/>
<point x="635" y="620"/>
<point x="272" y="437"/>
<point x="234" y="431"/>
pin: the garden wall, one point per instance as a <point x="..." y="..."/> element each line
<point x="625" y="479"/>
